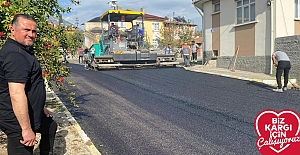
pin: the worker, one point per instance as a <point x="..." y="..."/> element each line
<point x="186" y="54"/>
<point x="80" y="54"/>
<point x="113" y="30"/>
<point x="283" y="64"/>
<point x="195" y="47"/>
<point x="167" y="49"/>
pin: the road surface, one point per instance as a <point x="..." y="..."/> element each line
<point x="171" y="111"/>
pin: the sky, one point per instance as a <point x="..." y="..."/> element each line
<point x="89" y="9"/>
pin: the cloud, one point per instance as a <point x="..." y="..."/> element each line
<point x="89" y="9"/>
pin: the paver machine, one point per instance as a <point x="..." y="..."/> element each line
<point x="125" y="48"/>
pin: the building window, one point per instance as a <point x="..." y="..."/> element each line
<point x="297" y="8"/>
<point x="140" y="24"/>
<point x="245" y="11"/>
<point x="122" y="25"/>
<point x="217" y="7"/>
<point x="154" y="43"/>
<point x="155" y="26"/>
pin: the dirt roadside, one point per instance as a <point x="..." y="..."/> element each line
<point x="70" y="138"/>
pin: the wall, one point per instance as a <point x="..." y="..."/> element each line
<point x="227" y="16"/>
<point x="246" y="63"/>
<point x="262" y="29"/>
<point x="149" y="33"/>
<point x="207" y="26"/>
<point x="88" y="42"/>
<point x="284" y="17"/>
<point x="253" y="38"/>
<point x="291" y="45"/>
<point x="88" y="26"/>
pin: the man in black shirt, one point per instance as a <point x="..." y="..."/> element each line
<point x="22" y="92"/>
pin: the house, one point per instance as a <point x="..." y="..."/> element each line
<point x="152" y="26"/>
<point x="92" y="31"/>
<point x="247" y="28"/>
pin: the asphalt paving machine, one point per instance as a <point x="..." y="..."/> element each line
<point x="116" y="49"/>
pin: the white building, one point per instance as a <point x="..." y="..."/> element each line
<point x="251" y="25"/>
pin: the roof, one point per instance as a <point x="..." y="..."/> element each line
<point x="146" y="16"/>
<point x="198" y="40"/>
<point x="199" y="3"/>
<point x="55" y="21"/>
<point x="152" y="16"/>
<point x="116" y="15"/>
<point x="179" y="23"/>
<point x="96" y="19"/>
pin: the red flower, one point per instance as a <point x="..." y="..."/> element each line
<point x="60" y="79"/>
<point x="5" y="4"/>
<point x="2" y="35"/>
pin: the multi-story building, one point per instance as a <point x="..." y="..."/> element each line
<point x="251" y="25"/>
<point x="152" y="26"/>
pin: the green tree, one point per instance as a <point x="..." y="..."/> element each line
<point x="50" y="37"/>
<point x="168" y="35"/>
<point x="185" y="33"/>
<point x="175" y="34"/>
<point x="74" y="39"/>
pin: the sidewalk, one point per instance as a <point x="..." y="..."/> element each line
<point x="237" y="74"/>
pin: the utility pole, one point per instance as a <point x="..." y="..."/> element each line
<point x="77" y="35"/>
<point x="76" y="22"/>
<point x="173" y="16"/>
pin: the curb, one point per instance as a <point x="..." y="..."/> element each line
<point x="89" y="144"/>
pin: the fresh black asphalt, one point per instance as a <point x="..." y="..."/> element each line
<point x="171" y="111"/>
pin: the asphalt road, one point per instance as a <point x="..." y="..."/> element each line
<point x="170" y="111"/>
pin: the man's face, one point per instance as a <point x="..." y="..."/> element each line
<point x="24" y="31"/>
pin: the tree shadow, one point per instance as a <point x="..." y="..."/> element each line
<point x="76" y="112"/>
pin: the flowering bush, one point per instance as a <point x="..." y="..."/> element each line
<point x="49" y="39"/>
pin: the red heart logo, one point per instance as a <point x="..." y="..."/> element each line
<point x="278" y="133"/>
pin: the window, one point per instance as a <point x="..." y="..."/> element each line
<point x="296" y="8"/>
<point x="121" y="24"/>
<point x="245" y="11"/>
<point x="155" y="26"/>
<point x="140" y="24"/>
<point x="217" y="7"/>
<point x="154" y="43"/>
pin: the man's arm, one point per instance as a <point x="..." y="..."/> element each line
<point x="20" y="108"/>
<point x="274" y="58"/>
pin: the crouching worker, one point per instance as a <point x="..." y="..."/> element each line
<point x="283" y="64"/>
<point x="22" y="92"/>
